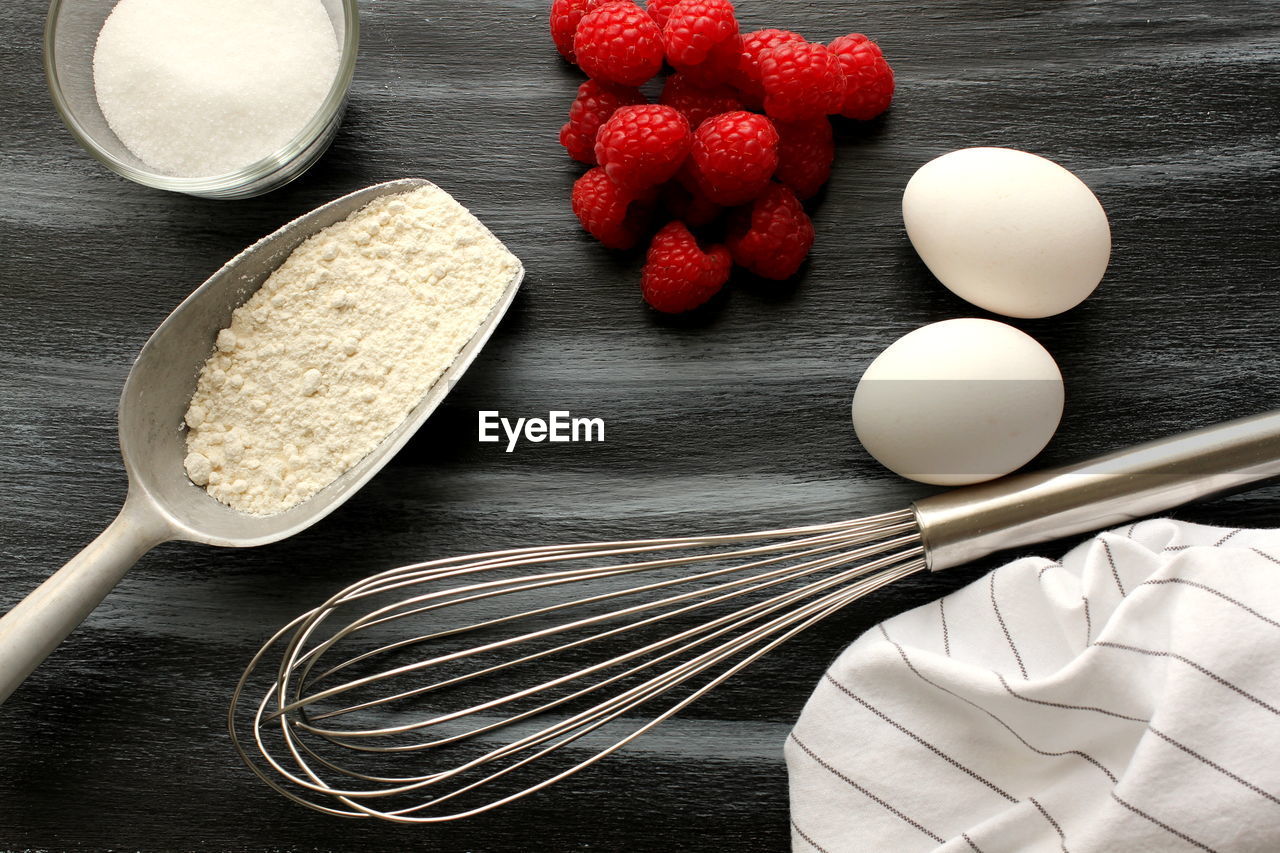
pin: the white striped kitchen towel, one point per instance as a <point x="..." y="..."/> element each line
<point x="1125" y="699"/>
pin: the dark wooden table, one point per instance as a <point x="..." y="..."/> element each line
<point x="734" y="418"/>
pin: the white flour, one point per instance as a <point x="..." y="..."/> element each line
<point x="338" y="346"/>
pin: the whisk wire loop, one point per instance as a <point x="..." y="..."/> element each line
<point x="723" y="625"/>
<point x="495" y="692"/>
<point x="745" y="586"/>
<point x="841" y="536"/>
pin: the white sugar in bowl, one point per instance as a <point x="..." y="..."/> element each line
<point x="1008" y="231"/>
<point x="151" y="83"/>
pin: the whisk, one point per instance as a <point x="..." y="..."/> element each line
<point x="493" y="676"/>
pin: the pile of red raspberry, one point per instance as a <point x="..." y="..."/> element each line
<point x="739" y="137"/>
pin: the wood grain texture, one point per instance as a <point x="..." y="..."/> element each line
<point x="733" y="418"/>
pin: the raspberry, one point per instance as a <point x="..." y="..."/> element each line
<point x="868" y="77"/>
<point x="620" y="43"/>
<point x="643" y="146"/>
<point x="806" y="150"/>
<point x="689" y="206"/>
<point x="565" y="15"/>
<point x="660" y="10"/>
<point x="733" y="156"/>
<point x="612" y="215"/>
<point x="773" y="236"/>
<point x="747" y="72"/>
<point x="596" y="101"/>
<point x="696" y="103"/>
<point x="800" y="80"/>
<point x="694" y="28"/>
<point x="720" y="67"/>
<point x="678" y="275"/>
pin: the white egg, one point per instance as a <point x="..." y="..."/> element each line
<point x="1009" y="231"/>
<point x="958" y="402"/>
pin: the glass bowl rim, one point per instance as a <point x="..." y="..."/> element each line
<point x="230" y="181"/>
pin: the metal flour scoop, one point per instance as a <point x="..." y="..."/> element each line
<point x="162" y="504"/>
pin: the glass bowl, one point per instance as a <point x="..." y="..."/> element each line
<point x="70" y="36"/>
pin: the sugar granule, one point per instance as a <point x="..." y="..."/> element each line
<point x="200" y="88"/>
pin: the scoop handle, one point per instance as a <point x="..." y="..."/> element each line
<point x="1024" y="509"/>
<point x="37" y="624"/>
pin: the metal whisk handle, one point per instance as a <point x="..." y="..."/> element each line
<point x="974" y="521"/>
